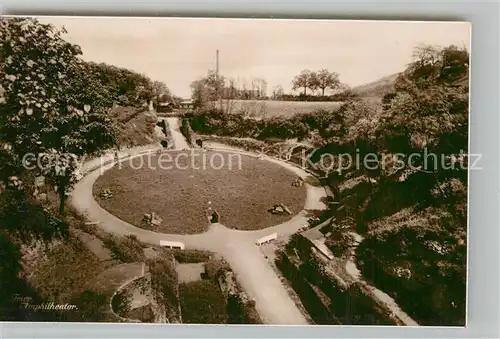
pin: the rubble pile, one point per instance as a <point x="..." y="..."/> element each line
<point x="106" y="194"/>
<point x="152" y="218"/>
<point x="280" y="209"/>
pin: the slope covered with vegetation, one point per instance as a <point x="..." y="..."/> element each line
<point x="377" y="88"/>
<point x="400" y="167"/>
<point x="55" y="109"/>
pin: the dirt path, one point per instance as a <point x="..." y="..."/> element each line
<point x="177" y="137"/>
<point x="261" y="283"/>
<point x="383" y="298"/>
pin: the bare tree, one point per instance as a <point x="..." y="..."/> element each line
<point x="229" y="95"/>
<point x="255" y="89"/>
<point x="263" y="88"/>
<point x="278" y="92"/>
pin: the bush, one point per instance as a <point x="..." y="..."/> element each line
<point x="90" y="305"/>
<point x="187" y="131"/>
<point x="68" y="269"/>
<point x="120" y="304"/>
<point x="27" y="219"/>
<point x="405" y="263"/>
<point x="202" y="302"/>
<point x="340" y="243"/>
<point x="239" y="312"/>
<point x="246" y="144"/>
<point x="215" y="267"/>
<point x="165" y="284"/>
<point x="299" y="126"/>
<point x="144" y="314"/>
<point x="318" y="311"/>
<point x="126" y="249"/>
<point x="189" y="256"/>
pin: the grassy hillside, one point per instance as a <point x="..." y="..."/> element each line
<point x="377" y="88"/>
<point x="136" y="125"/>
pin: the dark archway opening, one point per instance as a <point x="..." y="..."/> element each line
<point x="214" y="217"/>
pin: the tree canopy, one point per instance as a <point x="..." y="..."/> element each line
<point x="305" y="79"/>
<point x="53" y="105"/>
<point x="324" y="79"/>
<point x="207" y="89"/>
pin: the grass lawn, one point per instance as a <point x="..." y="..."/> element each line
<point x="270" y="108"/>
<point x="202" y="302"/>
<point x="241" y="191"/>
<point x="190" y="272"/>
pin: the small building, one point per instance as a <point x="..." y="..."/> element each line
<point x="186" y="104"/>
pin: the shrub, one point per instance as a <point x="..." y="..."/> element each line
<point x="120" y="303"/>
<point x="312" y="302"/>
<point x="239" y="312"/>
<point x="189" y="256"/>
<point x="126" y="249"/>
<point x="340" y="243"/>
<point x="213" y="121"/>
<point x="187" y="131"/>
<point x="405" y="262"/>
<point x="56" y="278"/>
<point x="215" y="267"/>
<point x="144" y="314"/>
<point x="165" y="284"/>
<point x="90" y="307"/>
<point x="202" y="302"/>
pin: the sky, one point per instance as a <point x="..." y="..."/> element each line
<point x="177" y="51"/>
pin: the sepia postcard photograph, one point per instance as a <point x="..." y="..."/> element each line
<point x="234" y="171"/>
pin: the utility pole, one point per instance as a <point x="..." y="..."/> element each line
<point x="219" y="95"/>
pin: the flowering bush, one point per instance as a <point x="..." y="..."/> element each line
<point x="50" y="104"/>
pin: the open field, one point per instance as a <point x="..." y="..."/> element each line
<point x="241" y="192"/>
<point x="270" y="108"/>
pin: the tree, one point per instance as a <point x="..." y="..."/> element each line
<point x="324" y="79"/>
<point x="124" y="86"/>
<point x="52" y="110"/>
<point x="263" y="89"/>
<point x="199" y="93"/>
<point x="429" y="107"/>
<point x="278" y="92"/>
<point x="207" y="89"/>
<point x="254" y="94"/>
<point x="305" y="80"/>
<point x="160" y="92"/>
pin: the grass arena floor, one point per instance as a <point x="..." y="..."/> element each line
<point x="179" y="186"/>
